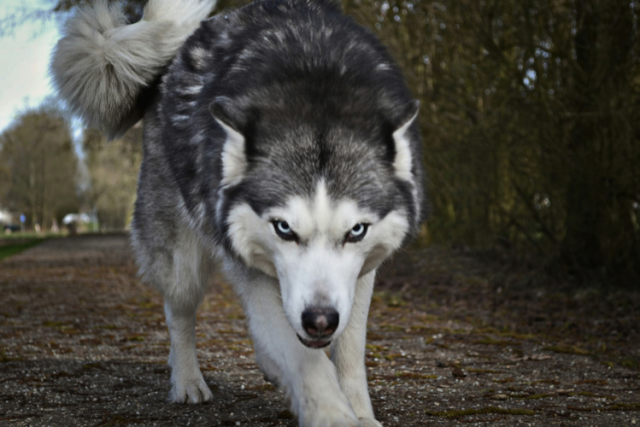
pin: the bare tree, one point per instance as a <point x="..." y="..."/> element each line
<point x="40" y="164"/>
<point x="113" y="171"/>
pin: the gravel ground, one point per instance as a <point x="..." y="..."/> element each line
<point x="83" y="343"/>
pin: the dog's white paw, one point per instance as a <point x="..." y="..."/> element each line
<point x="336" y="414"/>
<point x="323" y="422"/>
<point x="190" y="390"/>
<point x="368" y="422"/>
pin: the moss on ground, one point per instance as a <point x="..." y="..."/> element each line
<point x="457" y="413"/>
<point x="566" y="350"/>
<point x="634" y="406"/>
<point x="415" y="375"/>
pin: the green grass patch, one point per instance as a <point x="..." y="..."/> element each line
<point x="394" y="328"/>
<point x="4" y="358"/>
<point x="492" y="341"/>
<point x="484" y="371"/>
<point x="375" y="348"/>
<point x="579" y="408"/>
<point x="554" y="382"/>
<point x="95" y="365"/>
<point x="54" y="324"/>
<point x="393" y="356"/>
<point x="566" y="350"/>
<point x="13" y="249"/>
<point x="111" y="327"/>
<point x="416" y="376"/>
<point x="596" y="382"/>
<point x="479" y="411"/>
<point x="634" y="406"/>
<point x="29" y="235"/>
<point x="630" y="362"/>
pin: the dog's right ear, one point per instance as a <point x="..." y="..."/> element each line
<point x="234" y="157"/>
<point x="403" y="162"/>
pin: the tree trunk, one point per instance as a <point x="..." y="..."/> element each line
<point x="602" y="48"/>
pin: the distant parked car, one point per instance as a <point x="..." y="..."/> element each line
<point x="77" y="218"/>
<point x="76" y="222"/>
<point x="11" y="227"/>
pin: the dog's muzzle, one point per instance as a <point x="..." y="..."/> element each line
<point x="319" y="323"/>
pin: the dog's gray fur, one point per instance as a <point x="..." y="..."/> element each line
<point x="284" y="111"/>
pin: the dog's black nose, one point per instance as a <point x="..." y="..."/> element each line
<point x="320" y="322"/>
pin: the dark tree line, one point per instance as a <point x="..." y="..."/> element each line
<point x="531" y="122"/>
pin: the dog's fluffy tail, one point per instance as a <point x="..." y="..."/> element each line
<point x="102" y="64"/>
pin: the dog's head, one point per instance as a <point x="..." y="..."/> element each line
<point x="317" y="204"/>
<point x="317" y="247"/>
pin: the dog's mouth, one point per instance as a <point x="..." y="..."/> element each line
<point x="314" y="343"/>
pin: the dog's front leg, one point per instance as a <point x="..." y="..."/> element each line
<point x="306" y="374"/>
<point x="187" y="382"/>
<point x="348" y="353"/>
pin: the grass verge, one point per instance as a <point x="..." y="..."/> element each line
<point x="13" y="249"/>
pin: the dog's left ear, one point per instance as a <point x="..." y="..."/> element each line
<point x="403" y="160"/>
<point x="234" y="157"/>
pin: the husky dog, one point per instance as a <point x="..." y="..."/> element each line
<point x="279" y="139"/>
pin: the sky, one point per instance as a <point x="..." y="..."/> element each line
<point x="24" y="61"/>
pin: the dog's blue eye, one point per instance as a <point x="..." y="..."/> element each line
<point x="357" y="232"/>
<point x="284" y="230"/>
<point x="283" y="227"/>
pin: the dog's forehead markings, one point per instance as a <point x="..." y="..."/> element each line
<point x="299" y="215"/>
<point x="322" y="205"/>
<point x="320" y="215"/>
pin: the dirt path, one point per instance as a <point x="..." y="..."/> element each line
<point x="83" y="343"/>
